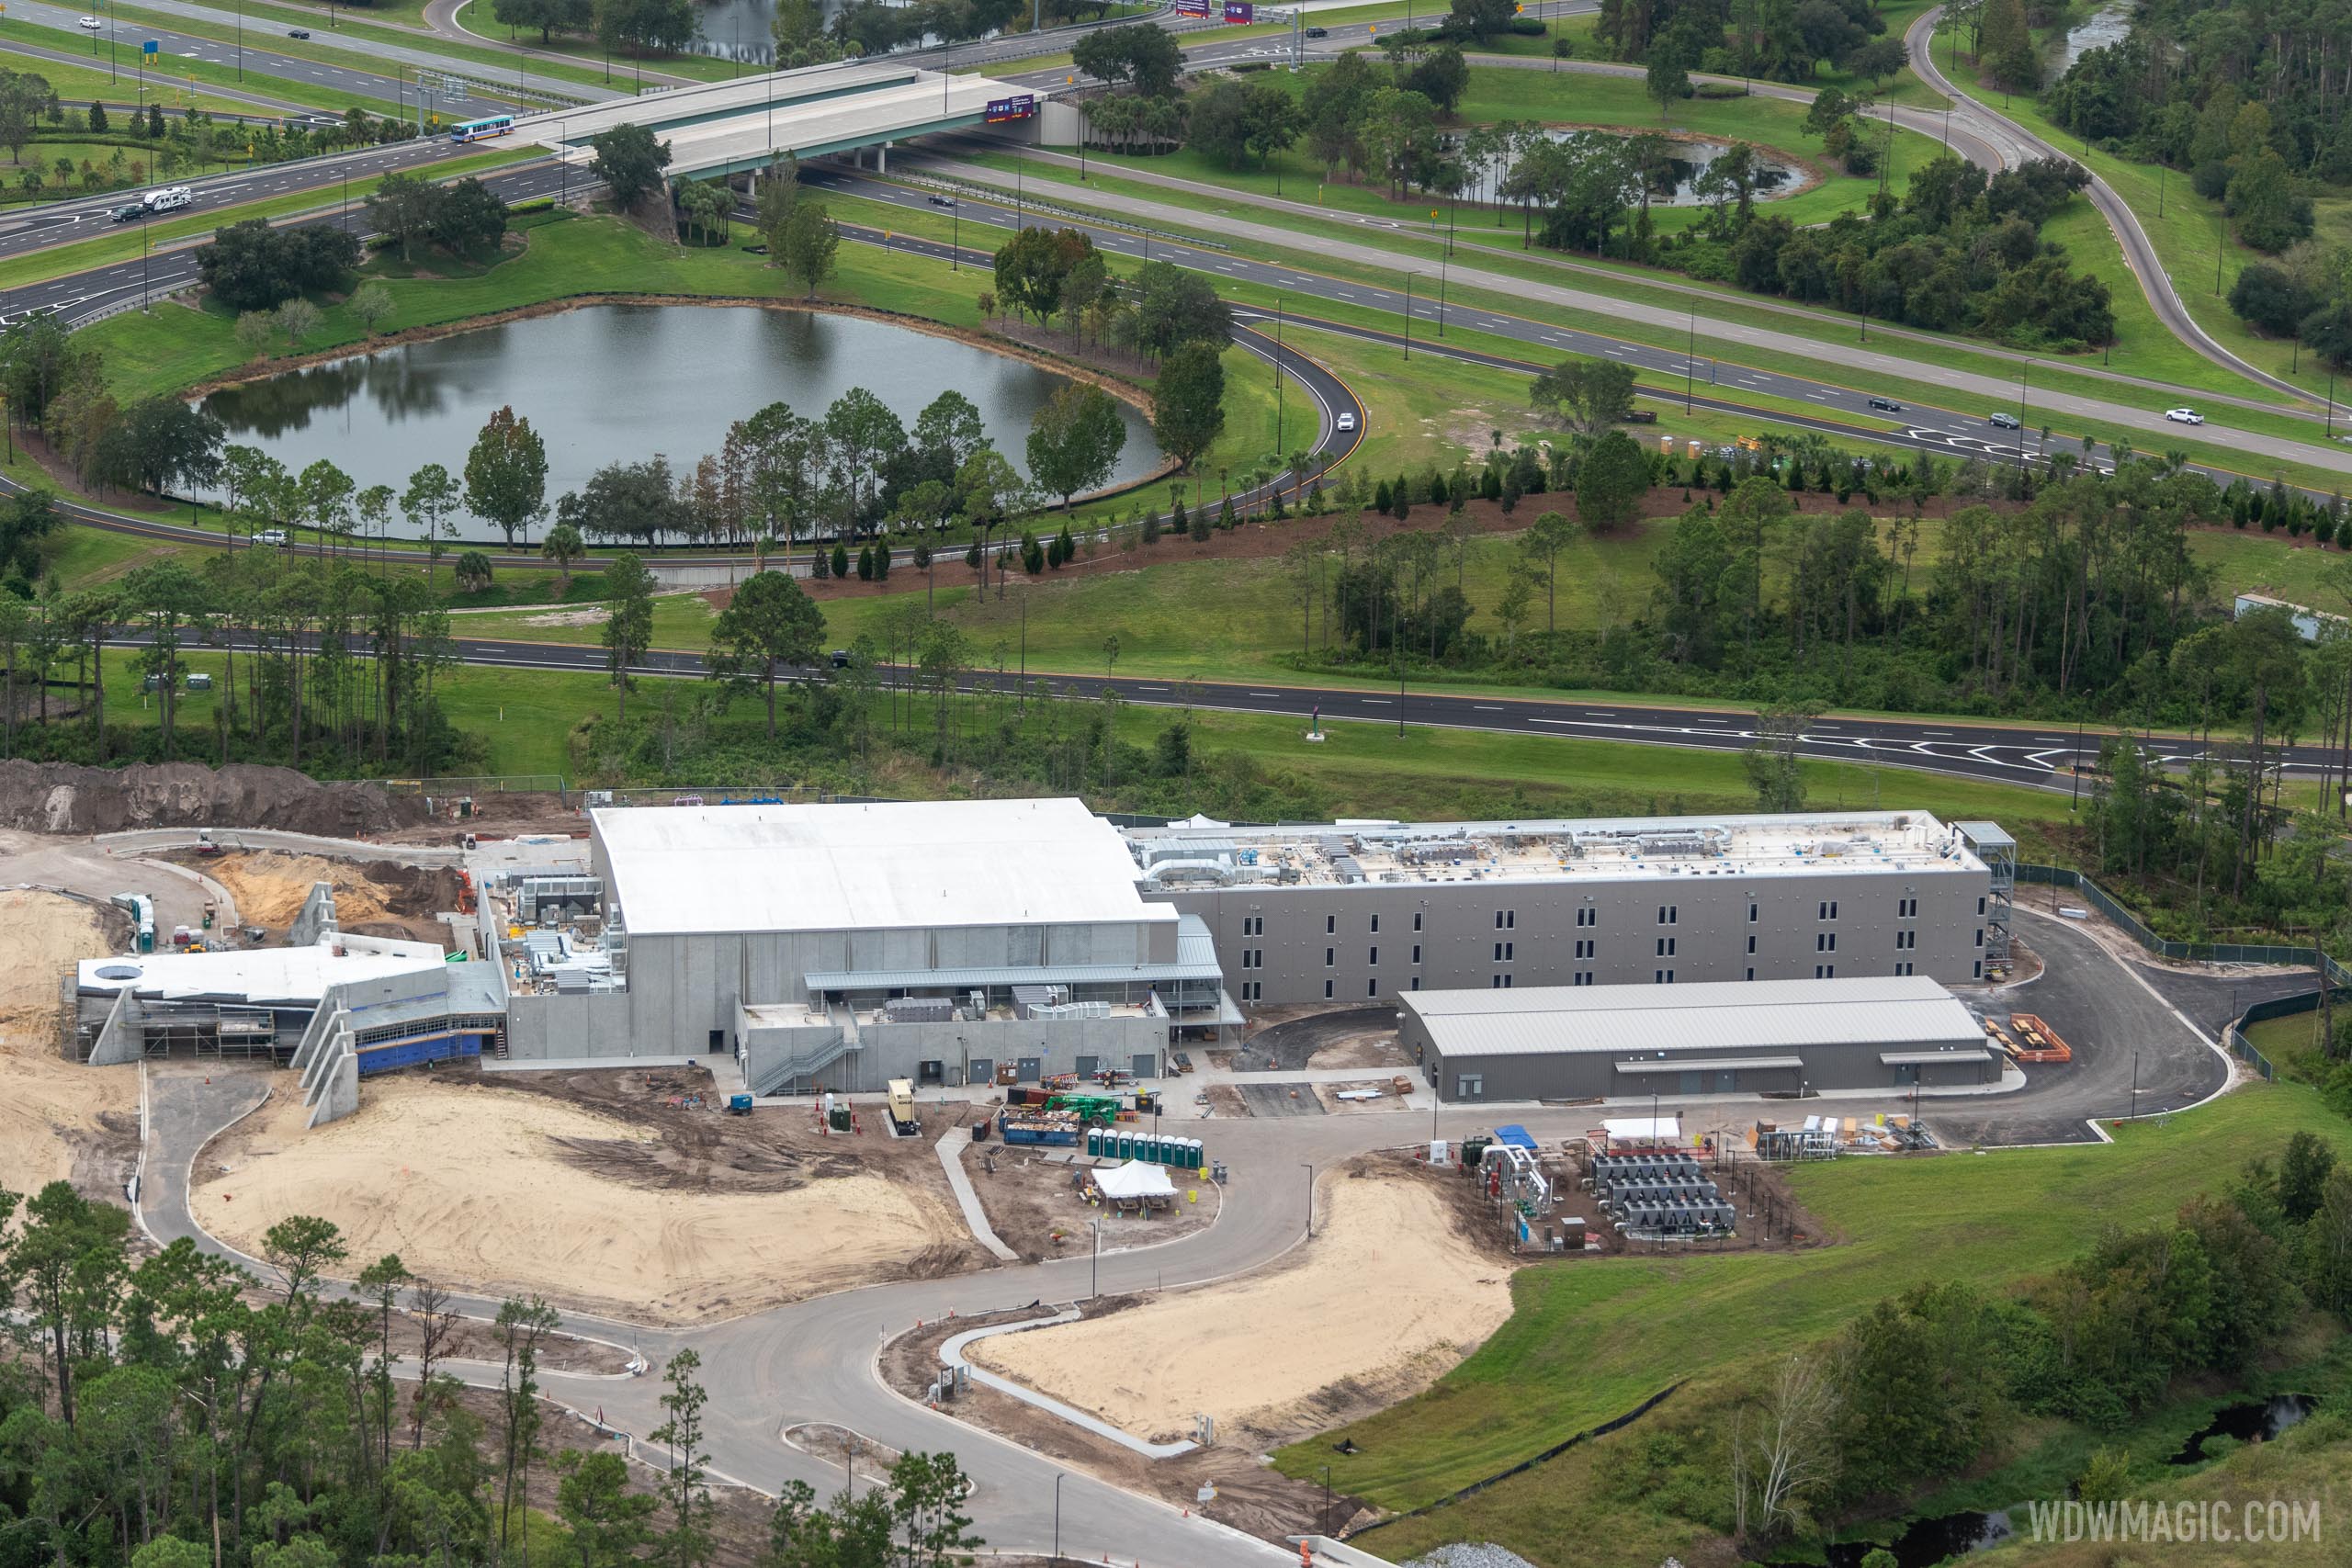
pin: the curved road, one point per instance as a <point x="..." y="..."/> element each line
<point x="2139" y="251"/>
<point x="815" y="1360"/>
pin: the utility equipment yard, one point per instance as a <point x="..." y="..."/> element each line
<point x="591" y="1189"/>
<point x="59" y="1119"/>
<point x="1400" y="1282"/>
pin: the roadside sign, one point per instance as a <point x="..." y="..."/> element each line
<point x="150" y="47"/>
<point x="1191" y="7"/>
<point x="1242" y="11"/>
<point x="1022" y="105"/>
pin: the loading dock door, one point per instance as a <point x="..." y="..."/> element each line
<point x="1089" y="1065"/>
<point x="1146" y="1065"/>
<point x="980" y="1070"/>
<point x="1032" y="1068"/>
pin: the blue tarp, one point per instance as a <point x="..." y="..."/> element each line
<point x="1515" y="1134"/>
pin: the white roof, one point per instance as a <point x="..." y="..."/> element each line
<point x="1136" y="1179"/>
<point x="878" y="866"/>
<point x="1720" y="1016"/>
<point x="256" y="974"/>
<point x="1642" y="1129"/>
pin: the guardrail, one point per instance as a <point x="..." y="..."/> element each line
<point x="480" y="783"/>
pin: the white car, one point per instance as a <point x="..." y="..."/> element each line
<point x="1346" y="422"/>
<point x="92" y="24"/>
<point x="2184" y="416"/>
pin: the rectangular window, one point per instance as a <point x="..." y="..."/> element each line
<point x="1587" y="917"/>
<point x="1417" y="919"/>
<point x="1372" y="987"/>
<point x="1470" y="1085"/>
<point x="1751" y="974"/>
<point x="1510" y="920"/>
<point x="1250" y="990"/>
<point x="1506" y="982"/>
<point x="1499" y="920"/>
<point x="1417" y="952"/>
<point x="1254" y="925"/>
<point x="1833" y="942"/>
<point x="1584" y="977"/>
<point x="1980" y="969"/>
<point x="1662" y="976"/>
<point x="1980" y="906"/>
<point x="1907" y="908"/>
<point x="1331" y="925"/>
<point x="1979" y="936"/>
<point x="1494" y="982"/>
<point x="1751" y="946"/>
<point x="1661" y="914"/>
<point x="1509" y="951"/>
<point x="1417" y="982"/>
<point x="1751" y="914"/>
<point x="1903" y="969"/>
<point x="1372" y="959"/>
<point x="1330" y="956"/>
<point x="1327" y="990"/>
<point x="1375" y="925"/>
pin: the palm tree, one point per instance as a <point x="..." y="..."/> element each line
<point x="563" y="546"/>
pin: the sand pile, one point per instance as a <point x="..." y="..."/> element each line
<point x="270" y="886"/>
<point x="50" y="1108"/>
<point x="1386" y="1298"/>
<point x="471" y="1186"/>
<point x="57" y="798"/>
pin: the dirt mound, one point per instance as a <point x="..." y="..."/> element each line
<point x="59" y="797"/>
<point x="59" y="1119"/>
<point x="269" y="887"/>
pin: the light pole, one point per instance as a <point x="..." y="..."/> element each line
<point x="1057" y="1517"/>
<point x="2021" y="370"/>
<point x="1094" y="1276"/>
<point x="1409" y="315"/>
<point x="1310" y="1199"/>
<point x="1440" y="294"/>
<point x="241" y="39"/>
<point x="1691" y="357"/>
<point x="1278" y="376"/>
<point x="2135" y="1085"/>
<point x="143" y="216"/>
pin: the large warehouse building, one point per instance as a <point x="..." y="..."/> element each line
<point x="1627" y="1041"/>
<point x="1359" y="910"/>
<point x="840" y="946"/>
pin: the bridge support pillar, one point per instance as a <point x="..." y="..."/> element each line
<point x="882" y="159"/>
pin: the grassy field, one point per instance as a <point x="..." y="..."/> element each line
<point x="181" y="75"/>
<point x="1591" y="1339"/>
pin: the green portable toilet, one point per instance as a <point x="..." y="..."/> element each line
<point x="1126" y="1145"/>
<point x="1148" y="1147"/>
<point x="1094" y="1140"/>
<point x="1193" y="1154"/>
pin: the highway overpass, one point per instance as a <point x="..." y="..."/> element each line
<point x="732" y="128"/>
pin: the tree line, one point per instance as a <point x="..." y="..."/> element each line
<point x="1917" y="1387"/>
<point x="175" y="1409"/>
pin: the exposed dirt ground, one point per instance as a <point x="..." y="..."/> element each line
<point x="1390" y="1293"/>
<point x="470" y="1339"/>
<point x="499" y="814"/>
<point x="1032" y="1198"/>
<point x="59" y="1119"/>
<point x="1250" y="1497"/>
<point x="59" y="798"/>
<point x="376" y="898"/>
<point x="1329" y="1095"/>
<point x="599" y="1189"/>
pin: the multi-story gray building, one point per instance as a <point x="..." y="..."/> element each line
<point x="1356" y="911"/>
<point x="1794" y="1037"/>
<point x="840" y="946"/>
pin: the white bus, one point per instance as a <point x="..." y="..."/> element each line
<point x="475" y="130"/>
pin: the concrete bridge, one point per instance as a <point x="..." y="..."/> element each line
<point x="738" y="127"/>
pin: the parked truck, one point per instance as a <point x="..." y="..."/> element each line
<point x="902" y="1108"/>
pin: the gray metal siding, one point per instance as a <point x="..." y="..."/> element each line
<point x="1708" y="931"/>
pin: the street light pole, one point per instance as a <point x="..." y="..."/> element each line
<point x="241" y="39"/>
<point x="2021" y="370"/>
<point x="1691" y="357"/>
<point x="1278" y="379"/>
<point x="1310" y="1199"/>
<point x="1058" y="1518"/>
<point x="1440" y="294"/>
<point x="1409" y="315"/>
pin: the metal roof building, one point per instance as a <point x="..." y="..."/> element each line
<point x="1630" y="1042"/>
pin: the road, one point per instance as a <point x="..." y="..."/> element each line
<point x="2139" y="251"/>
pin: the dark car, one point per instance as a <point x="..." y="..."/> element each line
<point x="1888" y="405"/>
<point x="841" y="658"/>
<point x="128" y="212"/>
<point x="942" y="200"/>
<point x="298" y="32"/>
<point x="1641" y="416"/>
<point x="1318" y="32"/>
<point x="2003" y="420"/>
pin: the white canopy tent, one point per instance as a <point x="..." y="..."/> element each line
<point x="1135" y="1181"/>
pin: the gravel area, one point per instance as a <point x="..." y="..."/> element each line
<point x="1483" y="1554"/>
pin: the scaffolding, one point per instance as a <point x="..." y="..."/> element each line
<point x="1999" y="853"/>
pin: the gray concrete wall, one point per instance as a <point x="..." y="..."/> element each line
<point x="1595" y="1074"/>
<point x="1320" y="942"/>
<point x="597" y="1024"/>
<point x="889" y="1051"/>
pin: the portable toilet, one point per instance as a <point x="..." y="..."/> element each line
<point x="1094" y="1140"/>
<point x="1200" y="1154"/>
<point x="1148" y="1147"/>
<point x="1127" y="1145"/>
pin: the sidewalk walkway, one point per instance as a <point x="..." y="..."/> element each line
<point x="965" y="1198"/>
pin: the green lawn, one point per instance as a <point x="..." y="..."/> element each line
<point x="76" y="85"/>
<point x="1590" y="1339"/>
<point x="179" y="75"/>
